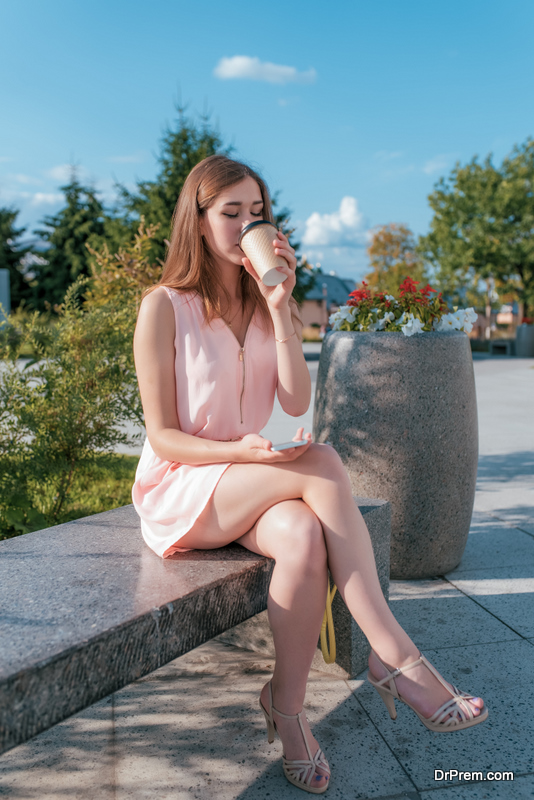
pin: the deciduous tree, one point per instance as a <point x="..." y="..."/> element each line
<point x="393" y="256"/>
<point x="483" y="226"/>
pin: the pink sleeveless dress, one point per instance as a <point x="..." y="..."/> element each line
<point x="223" y="391"/>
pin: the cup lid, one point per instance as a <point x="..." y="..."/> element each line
<point x="253" y="225"/>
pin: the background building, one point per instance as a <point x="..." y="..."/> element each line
<point x="329" y="292"/>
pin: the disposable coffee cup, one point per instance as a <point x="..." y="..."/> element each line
<point x="256" y="241"/>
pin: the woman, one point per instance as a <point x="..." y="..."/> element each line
<point x="212" y="346"/>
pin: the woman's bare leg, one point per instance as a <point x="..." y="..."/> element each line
<point x="245" y="491"/>
<point x="290" y="533"/>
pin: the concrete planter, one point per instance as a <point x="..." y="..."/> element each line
<point x="524" y="342"/>
<point x="401" y="412"/>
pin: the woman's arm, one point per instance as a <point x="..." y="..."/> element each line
<point x="294" y="382"/>
<point x="154" y="355"/>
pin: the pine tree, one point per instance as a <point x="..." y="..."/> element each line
<point x="79" y="222"/>
<point x="11" y="253"/>
<point x="181" y="148"/>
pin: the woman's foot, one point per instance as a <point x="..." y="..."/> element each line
<point x="291" y="736"/>
<point x="419" y="687"/>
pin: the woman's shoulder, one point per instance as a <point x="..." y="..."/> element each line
<point x="155" y="305"/>
<point x="160" y="296"/>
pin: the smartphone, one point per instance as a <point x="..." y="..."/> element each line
<point x="287" y="445"/>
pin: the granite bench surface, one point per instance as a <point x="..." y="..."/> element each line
<point x="86" y="608"/>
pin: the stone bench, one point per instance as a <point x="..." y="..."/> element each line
<point x="502" y="347"/>
<point x="86" y="608"/>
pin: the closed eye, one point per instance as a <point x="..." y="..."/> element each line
<point x="233" y="216"/>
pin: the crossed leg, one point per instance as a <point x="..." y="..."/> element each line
<point x="302" y="514"/>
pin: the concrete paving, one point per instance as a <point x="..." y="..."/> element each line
<point x="193" y="728"/>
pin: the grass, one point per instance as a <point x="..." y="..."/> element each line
<point x="109" y="486"/>
<point x="102" y="487"/>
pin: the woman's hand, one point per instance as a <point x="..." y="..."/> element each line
<point x="278" y="296"/>
<point x="254" y="448"/>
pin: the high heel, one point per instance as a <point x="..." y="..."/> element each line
<point x="454" y="715"/>
<point x="299" y="772"/>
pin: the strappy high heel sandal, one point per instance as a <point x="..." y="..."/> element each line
<point x="299" y="772"/>
<point x="454" y="715"/>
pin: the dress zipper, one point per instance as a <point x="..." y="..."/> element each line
<point x="242" y="359"/>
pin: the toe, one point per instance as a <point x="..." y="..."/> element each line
<point x="477" y="704"/>
<point x="320" y="779"/>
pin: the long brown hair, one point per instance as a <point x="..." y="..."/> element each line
<point x="189" y="265"/>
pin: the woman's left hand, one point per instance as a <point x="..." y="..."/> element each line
<point x="278" y="296"/>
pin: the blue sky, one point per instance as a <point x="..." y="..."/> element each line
<point x="351" y="110"/>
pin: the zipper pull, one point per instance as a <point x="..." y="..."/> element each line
<point x="241" y="354"/>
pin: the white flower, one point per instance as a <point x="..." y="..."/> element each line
<point x="449" y="322"/>
<point x="467" y="317"/>
<point x="335" y="321"/>
<point x="412" y="325"/>
<point x="461" y="320"/>
<point x="390" y="298"/>
<point x="381" y="322"/>
<point x="471" y="315"/>
<point x="343" y="314"/>
<point x="389" y="316"/>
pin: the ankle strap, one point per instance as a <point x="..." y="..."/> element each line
<point x="291" y="716"/>
<point x="399" y="670"/>
<point x="287" y="716"/>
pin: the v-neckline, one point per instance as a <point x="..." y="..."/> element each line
<point x="228" y="328"/>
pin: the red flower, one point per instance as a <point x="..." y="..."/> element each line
<point x="360" y="295"/>
<point x="408" y="285"/>
<point x="426" y="291"/>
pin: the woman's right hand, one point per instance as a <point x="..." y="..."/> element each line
<point x="254" y="448"/>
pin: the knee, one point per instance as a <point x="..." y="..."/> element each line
<point x="328" y="460"/>
<point x="300" y="538"/>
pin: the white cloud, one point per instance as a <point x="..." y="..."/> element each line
<point x="438" y="163"/>
<point x="46" y="199"/>
<point x="62" y="173"/>
<point x="343" y="228"/>
<point x="248" y="68"/>
<point x="25" y="179"/>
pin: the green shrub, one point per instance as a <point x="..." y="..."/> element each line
<point x="62" y="411"/>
